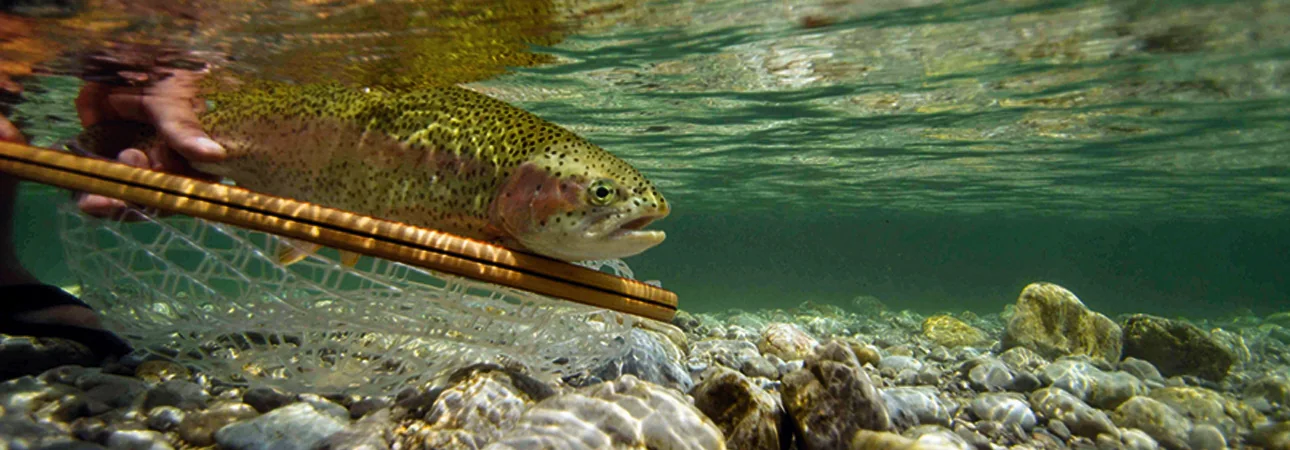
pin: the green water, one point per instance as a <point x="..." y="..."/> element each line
<point x="938" y="156"/>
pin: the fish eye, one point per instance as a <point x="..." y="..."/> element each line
<point x="601" y="192"/>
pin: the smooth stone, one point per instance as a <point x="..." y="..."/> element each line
<point x="477" y="406"/>
<point x="158" y="371"/>
<point x="324" y="405"/>
<point x="832" y="397"/>
<point x="622" y="413"/>
<point x="651" y="357"/>
<point x="181" y="394"/>
<point x="198" y="427"/>
<point x="23" y="355"/>
<point x="730" y="353"/>
<point x="1053" y="322"/>
<point x="747" y="415"/>
<point x="1273" y="388"/>
<point x="21" y="429"/>
<point x="368" y="433"/>
<point x="1112" y="389"/>
<point x="1205" y="406"/>
<point x="44" y="401"/>
<point x="1142" y="369"/>
<point x="1206" y="437"/>
<point x="1007" y="409"/>
<point x="165" y="418"/>
<point x="1272" y="436"/>
<point x="115" y="391"/>
<point x="1022" y="359"/>
<point x="1156" y="419"/>
<point x="895" y="364"/>
<point x="786" y="341"/>
<point x="759" y="367"/>
<point x="298" y="426"/>
<point x="1135" y="439"/>
<point x="367" y="406"/>
<point x="1072" y="375"/>
<point x="1176" y="347"/>
<point x="951" y="332"/>
<point x="937" y="437"/>
<point x="1080" y="418"/>
<point x="1025" y="382"/>
<point x="137" y="440"/>
<point x="988" y="374"/>
<point x="265" y="399"/>
<point x="909" y="407"/>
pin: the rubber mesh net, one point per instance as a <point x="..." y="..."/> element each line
<point x="213" y="297"/>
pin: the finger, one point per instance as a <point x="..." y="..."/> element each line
<point x="10" y="133"/>
<point x="112" y="208"/>
<point x="170" y="105"/>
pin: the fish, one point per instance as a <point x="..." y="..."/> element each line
<point x="448" y="158"/>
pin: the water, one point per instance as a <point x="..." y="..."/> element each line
<point x="938" y="156"/>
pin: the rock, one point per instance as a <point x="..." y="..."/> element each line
<point x="1274" y="388"/>
<point x="137" y="440"/>
<point x="865" y="353"/>
<point x="650" y="357"/>
<point x="623" y="413"/>
<point x="936" y="436"/>
<point x="1025" y="382"/>
<point x="265" y="399"/>
<point x="1022" y="359"/>
<point x="760" y="367"/>
<point x="165" y="418"/>
<point x="786" y="341"/>
<point x="988" y="374"/>
<point x="831" y="397"/>
<point x="951" y="332"/>
<point x="746" y="414"/>
<point x="1206" y="437"/>
<point x="325" y="406"/>
<point x="115" y="391"/>
<point x="368" y="405"/>
<point x="897" y="364"/>
<point x="1053" y="322"/>
<point x="884" y="440"/>
<point x="298" y="426"/>
<point x="1135" y="439"/>
<point x="1073" y="375"/>
<point x="730" y="353"/>
<point x="47" y="402"/>
<point x="475" y="410"/>
<point x="909" y="407"/>
<point x="26" y="433"/>
<point x="1007" y="409"/>
<point x="1077" y="416"/>
<point x="181" y="394"/>
<point x="1156" y="419"/>
<point x="1176" y="347"/>
<point x="199" y="426"/>
<point x="23" y="355"/>
<point x="1113" y="388"/>
<point x="157" y="371"/>
<point x="1272" y="436"/>
<point x="368" y="433"/>
<point x="1204" y="406"/>
<point x="1142" y="369"/>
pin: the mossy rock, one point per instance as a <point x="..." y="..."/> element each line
<point x="1053" y="322"/>
<point x="1176" y="347"/>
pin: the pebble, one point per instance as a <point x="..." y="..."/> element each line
<point x="1156" y="419"/>
<point x="165" y="418"/>
<point x="1007" y="409"/>
<point x="747" y="415"/>
<point x="909" y="407"/>
<point x="786" y="341"/>
<point x="1206" y="437"/>
<point x="832" y="397"/>
<point x="1135" y="439"/>
<point x="988" y="374"/>
<point x="137" y="440"/>
<point x="23" y="355"/>
<point x="298" y="426"/>
<point x="623" y="413"/>
<point x="1077" y="416"/>
<point x="182" y="394"/>
<point x="650" y="357"/>
<point x="368" y="433"/>
<point x="895" y="364"/>
<point x="1142" y="369"/>
<point x="198" y="427"/>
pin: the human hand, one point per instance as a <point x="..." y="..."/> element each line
<point x="171" y="106"/>
<point x="9" y="133"/>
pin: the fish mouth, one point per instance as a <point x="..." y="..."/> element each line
<point x="630" y="227"/>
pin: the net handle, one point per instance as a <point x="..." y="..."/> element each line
<point x="343" y="230"/>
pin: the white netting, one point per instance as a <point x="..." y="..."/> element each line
<point x="212" y="296"/>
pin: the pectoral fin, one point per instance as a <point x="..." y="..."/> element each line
<point x="291" y="251"/>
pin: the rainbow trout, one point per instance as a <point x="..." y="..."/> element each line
<point x="449" y="159"/>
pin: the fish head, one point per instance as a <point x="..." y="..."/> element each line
<point x="575" y="201"/>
